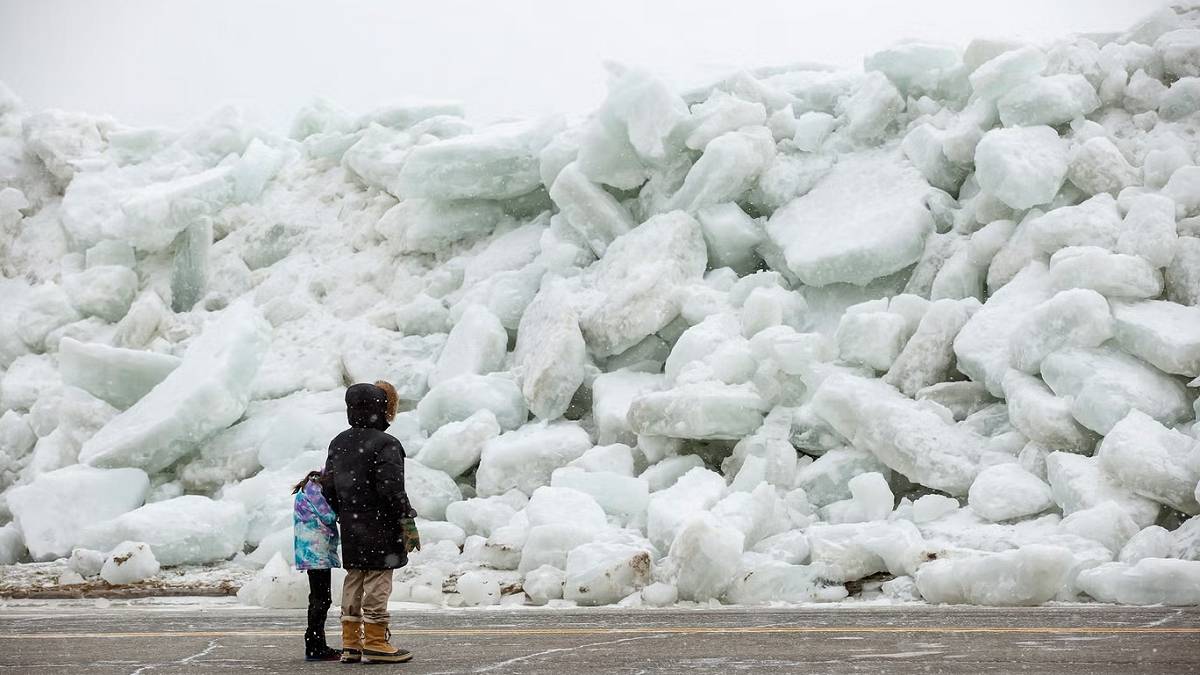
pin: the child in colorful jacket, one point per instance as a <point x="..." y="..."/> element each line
<point x="316" y="547"/>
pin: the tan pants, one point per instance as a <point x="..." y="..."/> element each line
<point x="365" y="596"/>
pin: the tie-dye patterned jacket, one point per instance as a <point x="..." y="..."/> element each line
<point x="315" y="530"/>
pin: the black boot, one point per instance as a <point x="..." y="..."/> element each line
<point x="315" y="648"/>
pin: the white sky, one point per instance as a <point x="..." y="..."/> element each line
<point x="164" y="62"/>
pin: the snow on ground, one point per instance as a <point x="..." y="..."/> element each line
<point x="929" y="331"/>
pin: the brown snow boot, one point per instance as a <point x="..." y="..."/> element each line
<point x="352" y="641"/>
<point x="377" y="649"/>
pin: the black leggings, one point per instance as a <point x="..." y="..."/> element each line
<point x="319" y="600"/>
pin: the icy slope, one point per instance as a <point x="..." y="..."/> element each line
<point x="939" y="319"/>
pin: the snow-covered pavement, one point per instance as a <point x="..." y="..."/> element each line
<point x="170" y="637"/>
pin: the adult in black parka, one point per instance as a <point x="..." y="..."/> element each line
<point x="364" y="483"/>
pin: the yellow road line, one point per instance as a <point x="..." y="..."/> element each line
<point x="667" y="630"/>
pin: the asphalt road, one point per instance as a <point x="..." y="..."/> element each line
<point x="838" y="639"/>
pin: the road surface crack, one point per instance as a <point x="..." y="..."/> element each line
<point x="535" y="655"/>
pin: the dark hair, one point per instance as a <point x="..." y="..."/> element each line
<point x="312" y="475"/>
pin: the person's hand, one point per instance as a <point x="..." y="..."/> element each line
<point x="412" y="538"/>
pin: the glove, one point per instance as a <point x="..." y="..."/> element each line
<point x="412" y="538"/>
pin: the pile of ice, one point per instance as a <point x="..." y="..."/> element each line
<point x="934" y="324"/>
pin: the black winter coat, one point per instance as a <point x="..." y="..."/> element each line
<point x="364" y="483"/>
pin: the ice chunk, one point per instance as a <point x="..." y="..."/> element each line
<point x="1043" y="417"/>
<point x="119" y="376"/>
<point x="26" y="380"/>
<point x="1182" y="276"/>
<point x="1079" y="483"/>
<point x="1006" y="491"/>
<point x="105" y="291"/>
<point x="128" y="563"/>
<point x="672" y="508"/>
<point x="700" y="341"/>
<point x="1180" y="100"/>
<point x="1149" y="230"/>
<point x="727" y="169"/>
<point x="721" y="113"/>
<point x="429" y="226"/>
<point x="189" y="267"/>
<point x="617" y="494"/>
<point x="640" y="299"/>
<point x="1150" y="581"/>
<point x="429" y="490"/>
<point x="155" y="214"/>
<point x="1098" y="166"/>
<point x="1180" y="50"/>
<point x="1106" y="384"/>
<point x="1150" y="542"/>
<point x="479" y="589"/>
<point x="1107" y="523"/>
<point x="549" y="544"/>
<point x="928" y="356"/>
<point x="46" y="309"/>
<point x="731" y="237"/>
<point x="499" y="162"/>
<point x="1029" y="575"/>
<point x="768" y="307"/>
<point x="593" y="213"/>
<point x="602" y="573"/>
<point x="872" y="339"/>
<point x="765" y="581"/>
<point x="86" y="562"/>
<point x="482" y="516"/>
<point x="278" y="586"/>
<point x="1021" y="167"/>
<point x="664" y="473"/>
<point x="564" y="506"/>
<point x="550" y="354"/>
<point x="1072" y="318"/>
<point x="146" y="315"/>
<point x="54" y="509"/>
<point x="870" y="499"/>
<point x="187" y="530"/>
<point x="544" y="584"/>
<point x="703" y="410"/>
<point x="476" y="345"/>
<point x="759" y="513"/>
<point x="1164" y="334"/>
<point x="872" y="108"/>
<point x="866" y="219"/>
<point x="370" y="353"/>
<point x="525" y="458"/>
<point x="1153" y="461"/>
<point x="1184" y="188"/>
<point x="962" y="398"/>
<point x="457" y="399"/>
<point x="206" y="393"/>
<point x="905" y="435"/>
<point x="1052" y="100"/>
<point x="612" y="394"/>
<point x="812" y="128"/>
<point x="706" y="556"/>
<point x="842" y="550"/>
<point x="932" y="507"/>
<point x="1006" y="71"/>
<point x="827" y="479"/>
<point x="917" y="68"/>
<point x="1114" y="275"/>
<point x="455" y="447"/>
<point x="423" y="316"/>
